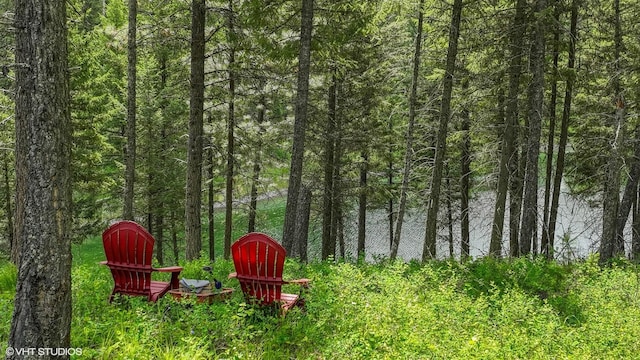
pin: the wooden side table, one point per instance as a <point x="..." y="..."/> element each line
<point x="206" y="296"/>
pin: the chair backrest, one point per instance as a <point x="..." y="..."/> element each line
<point x="129" y="251"/>
<point x="259" y="261"/>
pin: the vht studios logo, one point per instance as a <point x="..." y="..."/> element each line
<point x="43" y="351"/>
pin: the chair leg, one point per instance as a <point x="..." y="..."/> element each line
<point x="175" y="282"/>
<point x="302" y="304"/>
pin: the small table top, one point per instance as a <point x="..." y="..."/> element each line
<point x="206" y="295"/>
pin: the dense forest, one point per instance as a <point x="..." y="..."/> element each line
<point x="350" y="105"/>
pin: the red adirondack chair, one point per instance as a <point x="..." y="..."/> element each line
<point x="129" y="250"/>
<point x="259" y="261"/>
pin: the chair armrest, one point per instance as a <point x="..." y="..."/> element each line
<point x="175" y="272"/>
<point x="103" y="262"/>
<point x="232" y="275"/>
<point x="170" y="269"/>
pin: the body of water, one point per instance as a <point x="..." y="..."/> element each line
<point x="578" y="229"/>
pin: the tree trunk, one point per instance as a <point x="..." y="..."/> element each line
<point x="329" y="163"/>
<point x="255" y="179"/>
<point x="335" y="233"/>
<point x="408" y="155"/>
<point x="449" y="209"/>
<point x="511" y="121"/>
<point x="620" y="117"/>
<point x="564" y="127"/>
<point x="42" y="306"/>
<point x="465" y="169"/>
<point x="150" y="200"/>
<point x="390" y="173"/>
<point x="300" y="125"/>
<point x="130" y="161"/>
<point x="516" y="172"/>
<point x="544" y="243"/>
<point x="231" y="124"/>
<point x="159" y="233"/>
<point x="302" y="230"/>
<point x="211" y="199"/>
<point x="610" y="246"/>
<point x="159" y="189"/>
<point x="362" y="204"/>
<point x="7" y="207"/>
<point x="635" y="241"/>
<point x="495" y="245"/>
<point x="529" y="227"/>
<point x="340" y="235"/>
<point x="174" y="237"/>
<point x="193" y="222"/>
<point x="152" y="190"/>
<point x="630" y="189"/>
<point x="336" y="193"/>
<point x="429" y="249"/>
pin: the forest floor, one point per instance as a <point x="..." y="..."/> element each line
<point x="484" y="309"/>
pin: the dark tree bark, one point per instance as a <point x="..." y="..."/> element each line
<point x="449" y="209"/>
<point x="130" y="161"/>
<point x="152" y="191"/>
<point x="635" y="240"/>
<point x="231" y="124"/>
<point x="553" y="100"/>
<point x="255" y="178"/>
<point x="42" y="306"/>
<point x="193" y="222"/>
<point x="253" y="196"/>
<point x="528" y="231"/>
<point x="465" y="186"/>
<point x="511" y="121"/>
<point x="610" y="246"/>
<point x="7" y="207"/>
<point x="630" y="189"/>
<point x="174" y="237"/>
<point x="564" y="126"/>
<point x="150" y="200"/>
<point x="153" y="202"/>
<point x="408" y="155"/>
<point x="334" y="171"/>
<point x="329" y="163"/>
<point x="211" y="199"/>
<point x="159" y="188"/>
<point x="300" y="125"/>
<point x="362" y="204"/>
<point x="159" y="233"/>
<point x="336" y="193"/>
<point x="390" y="173"/>
<point x="302" y="230"/>
<point x="340" y="234"/>
<point x="429" y="249"/>
<point x="516" y="173"/>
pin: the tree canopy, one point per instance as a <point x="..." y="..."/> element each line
<point x="494" y="102"/>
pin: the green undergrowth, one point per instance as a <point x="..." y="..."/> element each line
<point x="484" y="309"/>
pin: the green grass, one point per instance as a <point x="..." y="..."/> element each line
<point x="485" y="309"/>
<point x="8" y="275"/>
